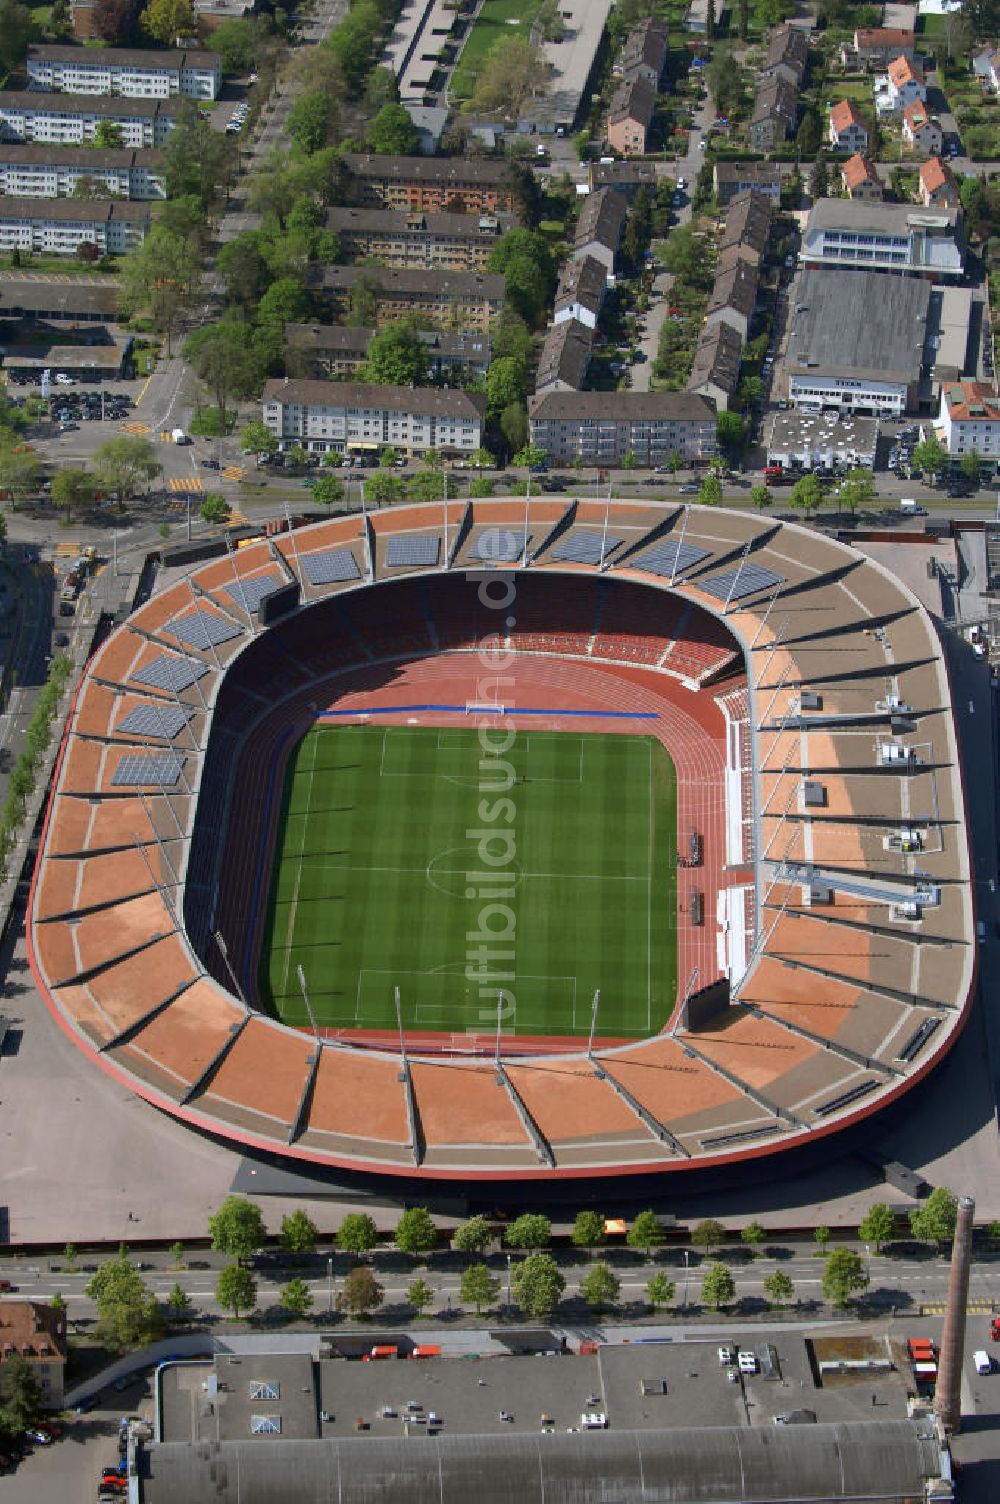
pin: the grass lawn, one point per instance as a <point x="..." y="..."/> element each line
<point x="370" y="889"/>
<point x="496" y="19"/>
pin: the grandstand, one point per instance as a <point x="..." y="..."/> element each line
<point x="800" y="693"/>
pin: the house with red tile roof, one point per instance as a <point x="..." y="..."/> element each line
<point x="921" y="130"/>
<point x="36" y="1332"/>
<point x="848" y="131"/>
<point x="938" y="188"/>
<point x="969" y="421"/>
<point x="875" y="47"/>
<point x="861" y="180"/>
<point x="904" y="83"/>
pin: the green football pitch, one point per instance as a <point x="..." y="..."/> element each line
<point x="396" y="862"/>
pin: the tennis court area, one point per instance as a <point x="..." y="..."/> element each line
<point x="412" y="857"/>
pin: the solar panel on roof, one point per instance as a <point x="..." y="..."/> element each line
<point x="500" y="545"/>
<point x="202" y="629"/>
<point x="735" y="584"/>
<point x="155" y="720"/>
<point x="416" y="551"/>
<point x="250" y="593"/>
<point x="582" y="547"/>
<point x="331" y="568"/>
<point x="671" y="557"/>
<point x="139" y="768"/>
<point x="169" y="672"/>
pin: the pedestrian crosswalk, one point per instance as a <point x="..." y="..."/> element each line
<point x="233" y="472"/>
<point x="134" y="427"/>
<point x="975" y="1308"/>
<point x="67" y="550"/>
<point x="185" y="483"/>
<point x="165" y="436"/>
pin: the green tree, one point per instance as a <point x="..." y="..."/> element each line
<point x="20" y="473"/>
<point x="244" y="269"/>
<point x="821" y="1237"/>
<point x="879" y="1226"/>
<point x="708" y="1234"/>
<point x="686" y="256"/>
<point x="215" y="509"/>
<point x="537" y="1284"/>
<point x="357" y="1234"/>
<point x="396" y="356"/>
<point x="388" y="457"/>
<point x="167" y="20"/>
<point x="930" y="457"/>
<point x="531" y="454"/>
<point x="514" y="426"/>
<point x="529" y="1230"/>
<point x="819" y="177"/>
<point x="239" y="42"/>
<point x="415" y="1231"/>
<point x="257" y="439"/>
<point x="718" y="1288"/>
<point x="299" y="1233"/>
<point x="645" y="1232"/>
<point x="857" y="490"/>
<point x="731" y="429"/>
<point x="198" y="161"/>
<point x="934" y="1222"/>
<point x="480" y="486"/>
<point x="710" y="491"/>
<point x="20" y="1395"/>
<point x="123" y="464"/>
<point x="222" y="356"/>
<point x="478" y="1287"/>
<point x="285" y="302"/>
<point x="237" y="1228"/>
<point x="296" y="1298"/>
<point x="361" y="1292"/>
<point x="381" y="88"/>
<point x="778" y="1288"/>
<point x="473" y="1236"/>
<point x="236" y="1289"/>
<point x="506" y="382"/>
<point x="843" y="1275"/>
<point x="600" y="1286"/>
<point x="971" y="466"/>
<point x="108" y="136"/>
<point x="526" y="193"/>
<point x="393" y="132"/>
<point x="524" y="259"/>
<point x="383" y="489"/>
<point x="660" y="1290"/>
<point x="420" y="1295"/>
<point x="178" y="1304"/>
<point x="57" y="1303"/>
<point x="807" y="137"/>
<point x="177" y="1255"/>
<point x="513" y="71"/>
<point x="760" y="496"/>
<point x="328" y="490"/>
<point x="313" y="121"/>
<point x="16" y="26"/>
<point x="807" y="494"/>
<point x="427" y="486"/>
<point x="752" y="1236"/>
<point x="482" y="459"/>
<point x="588" y="1230"/>
<point x="161" y="277"/>
<point x="127" y="1312"/>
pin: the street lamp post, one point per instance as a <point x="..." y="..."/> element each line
<point x="687" y="1256"/>
<point x="509" y="1302"/>
<point x="329" y="1285"/>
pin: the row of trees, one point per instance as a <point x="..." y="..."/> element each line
<point x="38" y="737"/>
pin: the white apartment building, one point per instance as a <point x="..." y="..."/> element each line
<point x="969" y="420"/>
<point x="346" y="416"/>
<point x="134" y="74"/>
<point x="844" y="232"/>
<point x="58" y="227"/>
<point x="56" y="172"/>
<point x="67" y="119"/>
<point x="601" y="428"/>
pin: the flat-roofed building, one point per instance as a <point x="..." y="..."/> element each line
<point x="807" y="439"/>
<point x="59" y="227"/>
<point x="68" y="118"/>
<point x="565" y="358"/>
<point x="630" y="115"/>
<point x="58" y="171"/>
<point x="34" y="1331"/>
<point x="473" y="185"/>
<point x="339" y="349"/>
<point x="600" y="226"/>
<point x="384" y="295"/>
<point x="731" y="178"/>
<point x="884" y="237"/>
<point x="715" y="370"/>
<point x="969" y="420"/>
<point x="134" y="73"/>
<point x="858" y="343"/>
<point x="583" y="286"/>
<point x="601" y="428"/>
<point x="345" y="416"/>
<point x="861" y="180"/>
<point x="418" y="238"/>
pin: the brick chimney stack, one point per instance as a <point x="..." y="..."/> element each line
<point x="948" y="1393"/>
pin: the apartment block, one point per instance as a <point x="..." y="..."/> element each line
<point x="969" y="421"/>
<point x="417" y="238"/>
<point x="323" y="415"/>
<point x="36" y="1332"/>
<point x="66" y="119"/>
<point x="449" y="300"/>
<point x="134" y="74"/>
<point x="884" y="237"/>
<point x="600" y="226"/>
<point x="58" y="227"/>
<point x="338" y="350"/>
<point x="601" y="428"/>
<point x="630" y="115"/>
<point x="471" y="185"/>
<point x="59" y="171"/>
<point x="645" y="52"/>
<point x="583" y="286"/>
<point x="731" y="178"/>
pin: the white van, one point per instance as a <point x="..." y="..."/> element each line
<point x="179" y="436"/>
<point x="983" y="1362"/>
<point x="908" y="505"/>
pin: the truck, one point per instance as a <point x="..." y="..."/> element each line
<point x="982" y="1362"/>
<point x="178" y="436"/>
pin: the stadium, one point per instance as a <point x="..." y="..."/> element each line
<point x="514" y="841"/>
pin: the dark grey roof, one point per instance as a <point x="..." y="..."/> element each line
<point x="565" y="355"/>
<point x="162" y="60"/>
<point x="717" y="359"/>
<point x="582" y="280"/>
<point x="748" y="221"/>
<point x="634" y="99"/>
<point x="80" y="298"/>
<point x="627" y="406"/>
<point x="646" y="46"/>
<point x="789" y="46"/>
<point x="735" y="288"/>
<point x="747" y="172"/>
<point x="602" y="218"/>
<point x="392" y="222"/>
<point x="84" y="211"/>
<point x="867" y="324"/>
<point x="437" y="402"/>
<point x="410" y="282"/>
<point x="51" y="154"/>
<point x="114" y="106"/>
<point x="446" y="171"/>
<point x="776" y="96"/>
<point x="723" y="1464"/>
<point x="351" y="339"/>
<point x="623" y="175"/>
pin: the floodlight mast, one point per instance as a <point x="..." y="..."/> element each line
<point x="305" y="998"/>
<point x="219" y="939"/>
<point x="404" y="1069"/>
<point x="598" y="1071"/>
